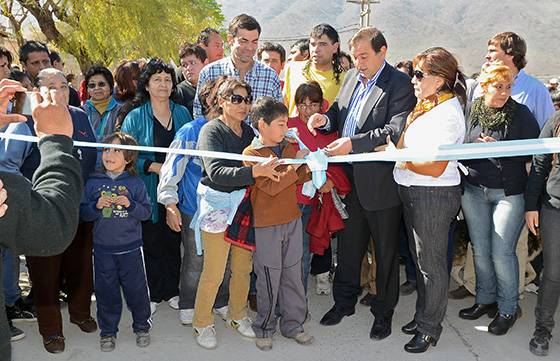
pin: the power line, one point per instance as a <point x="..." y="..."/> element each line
<point x="341" y="30"/>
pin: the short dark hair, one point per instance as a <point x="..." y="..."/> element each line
<point x="373" y="35"/>
<point x="228" y="86"/>
<point x="100" y="70"/>
<point x="18" y="75"/>
<point x="192" y="49"/>
<point x="31" y="47"/>
<point x="154" y="66"/>
<point x="407" y="64"/>
<point x="70" y="77"/>
<point x="204" y="36"/>
<point x="269" y="47"/>
<point x="302" y="45"/>
<point x="6" y="53"/>
<point x="267" y="108"/>
<point x="55" y="56"/>
<point x="512" y="44"/>
<point x="243" y="21"/>
<point x="129" y="155"/>
<point x="311" y="90"/>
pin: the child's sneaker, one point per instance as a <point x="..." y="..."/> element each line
<point x="174" y="302"/>
<point x="153" y="307"/>
<point x="107" y="343"/>
<point x="264" y="344"/>
<point x="222" y="312"/>
<point x="323" y="286"/>
<point x="186" y="316"/>
<point x="15" y="333"/>
<point x="244" y="327"/>
<point x="206" y="337"/>
<point x="142" y="338"/>
<point x="304" y="338"/>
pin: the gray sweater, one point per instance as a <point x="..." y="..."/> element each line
<point x="42" y="217"/>
<point x="221" y="174"/>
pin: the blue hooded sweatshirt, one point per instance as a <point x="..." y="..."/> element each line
<point x="116" y="229"/>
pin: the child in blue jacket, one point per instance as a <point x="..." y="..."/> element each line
<point x="117" y="202"/>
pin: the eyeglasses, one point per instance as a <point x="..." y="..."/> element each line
<point x="310" y="106"/>
<point x="419" y="74"/>
<point x="100" y="84"/>
<point x="238" y="99"/>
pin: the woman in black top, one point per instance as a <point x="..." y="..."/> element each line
<point x="493" y="202"/>
<point x="542" y="212"/>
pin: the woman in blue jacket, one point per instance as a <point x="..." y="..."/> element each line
<point x="154" y="122"/>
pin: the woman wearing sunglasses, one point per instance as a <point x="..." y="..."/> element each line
<point x="221" y="191"/>
<point x="430" y="191"/>
<point x="493" y="202"/>
<point x="153" y="123"/>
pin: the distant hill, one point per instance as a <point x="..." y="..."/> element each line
<point x="410" y="26"/>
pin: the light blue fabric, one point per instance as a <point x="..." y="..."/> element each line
<point x="210" y="200"/>
<point x="14" y="152"/>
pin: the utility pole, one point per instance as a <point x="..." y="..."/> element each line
<point x="365" y="10"/>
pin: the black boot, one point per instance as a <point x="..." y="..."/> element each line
<point x="420" y="343"/>
<point x="381" y="327"/>
<point x="539" y="343"/>
<point x="477" y="310"/>
<point x="502" y="323"/>
<point x="410" y="328"/>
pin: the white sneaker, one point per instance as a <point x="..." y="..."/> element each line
<point x="222" y="312"/>
<point x="186" y="316"/>
<point x="206" y="337"/>
<point x="243" y="327"/>
<point x="153" y="307"/>
<point x="174" y="302"/>
<point x="323" y="286"/>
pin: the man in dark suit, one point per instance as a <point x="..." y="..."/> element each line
<point x="372" y="105"/>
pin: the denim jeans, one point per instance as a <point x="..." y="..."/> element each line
<point x="10" y="281"/>
<point x="428" y="213"/>
<point x="494" y="221"/>
<point x="549" y="292"/>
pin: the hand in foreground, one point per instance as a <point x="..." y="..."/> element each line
<point x="51" y="116"/>
<point x="173" y="217"/>
<point x="316" y="121"/>
<point x="532" y="220"/>
<point x="3" y="197"/>
<point x="386" y="147"/>
<point x="341" y="146"/>
<point x="267" y="169"/>
<point x="8" y="89"/>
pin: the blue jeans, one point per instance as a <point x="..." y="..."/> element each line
<point x="306" y="259"/>
<point x="494" y="221"/>
<point x="10" y="281"/>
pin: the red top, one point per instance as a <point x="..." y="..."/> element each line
<point x="313" y="143"/>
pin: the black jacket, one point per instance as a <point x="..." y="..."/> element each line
<point x="42" y="218"/>
<point x="513" y="170"/>
<point x="384" y="113"/>
<point x="543" y="186"/>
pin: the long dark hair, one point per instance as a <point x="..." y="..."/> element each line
<point x="332" y="34"/>
<point x="154" y="66"/>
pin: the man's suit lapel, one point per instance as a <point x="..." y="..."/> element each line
<point x="346" y="96"/>
<point x="373" y="97"/>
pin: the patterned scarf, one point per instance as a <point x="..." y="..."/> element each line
<point x="422" y="107"/>
<point x="491" y="119"/>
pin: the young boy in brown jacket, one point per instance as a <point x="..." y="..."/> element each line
<point x="278" y="230"/>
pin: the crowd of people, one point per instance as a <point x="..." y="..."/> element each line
<point x="217" y="236"/>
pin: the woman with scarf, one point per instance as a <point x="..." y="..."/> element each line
<point x="430" y="191"/>
<point x="493" y="202"/>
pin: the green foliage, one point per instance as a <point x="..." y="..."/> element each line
<point x="107" y="31"/>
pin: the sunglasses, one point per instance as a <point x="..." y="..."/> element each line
<point x="238" y="99"/>
<point x="100" y="84"/>
<point x="419" y="74"/>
